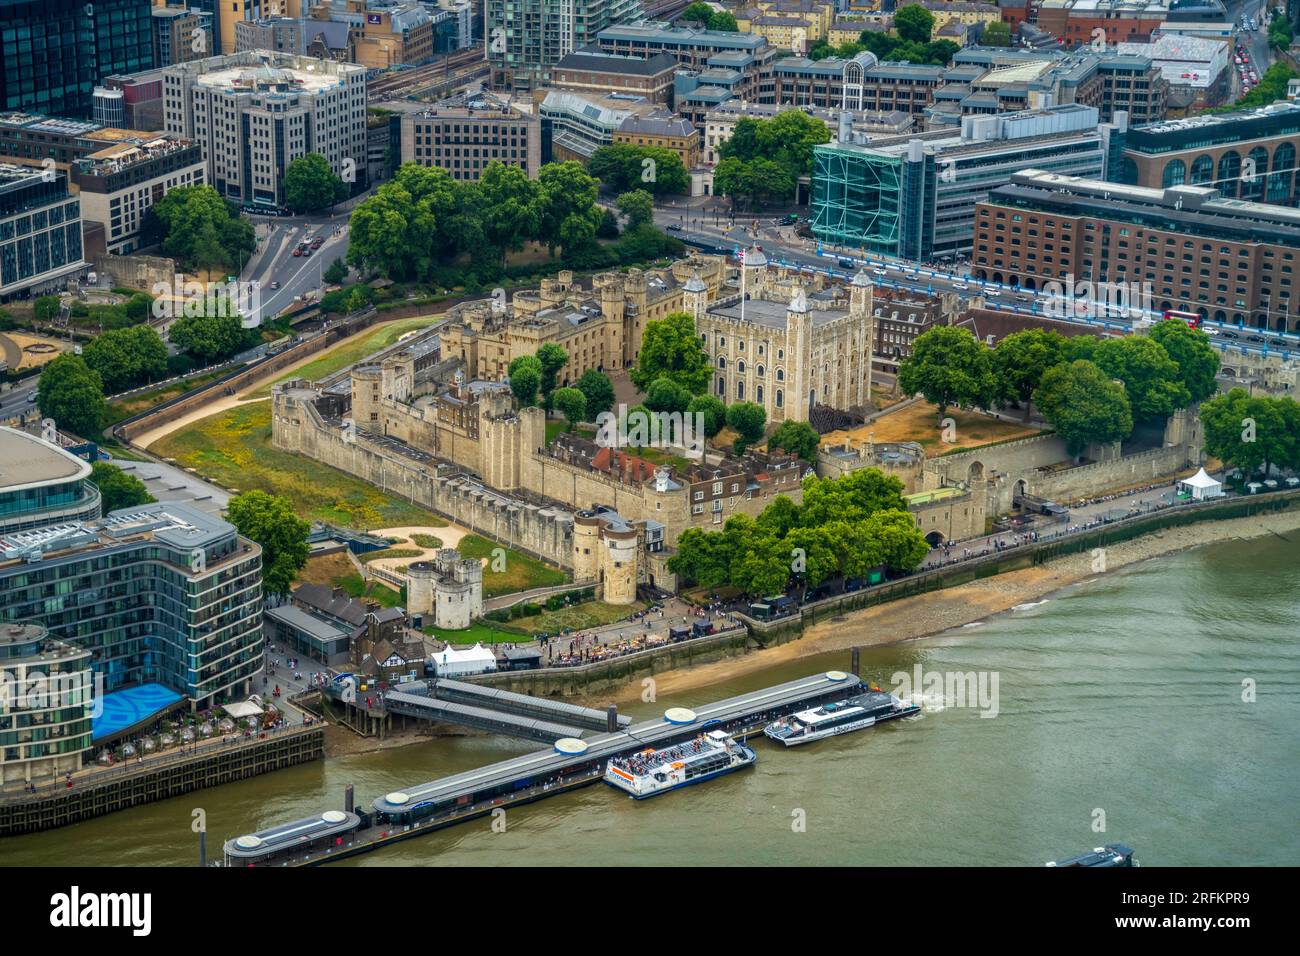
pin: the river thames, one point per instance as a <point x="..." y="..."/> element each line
<point x="1118" y="702"/>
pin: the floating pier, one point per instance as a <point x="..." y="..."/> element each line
<point x="569" y="763"/>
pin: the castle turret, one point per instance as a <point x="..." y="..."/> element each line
<point x="367" y="385"/>
<point x="695" y="295"/>
<point x="864" y="322"/>
<point x="586" y="547"/>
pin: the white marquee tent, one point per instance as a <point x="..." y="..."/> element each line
<point x="450" y="662"/>
<point x="1201" y="486"/>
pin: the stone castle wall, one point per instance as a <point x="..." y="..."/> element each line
<point x="542" y="531"/>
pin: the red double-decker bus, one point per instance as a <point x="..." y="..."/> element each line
<point x="1191" y="318"/>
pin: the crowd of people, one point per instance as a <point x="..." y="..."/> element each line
<point x="642" y="763"/>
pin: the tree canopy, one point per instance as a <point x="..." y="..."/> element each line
<point x="1084" y="405"/>
<point x="209" y="338"/>
<point x="846" y="526"/>
<point x="623" y="167"/>
<point x="914" y="23"/>
<point x="201" y="230"/>
<point x="949" y="366"/>
<point x="271" y="522"/>
<point x="798" y="438"/>
<point x="1151" y="378"/>
<point x="671" y="347"/>
<point x="1197" y="359"/>
<point x="72" y="393"/>
<point x="125" y="358"/>
<point x="310" y="185"/>
<point x="117" y="488"/>
<point x="1252" y="433"/>
<point x="1020" y="359"/>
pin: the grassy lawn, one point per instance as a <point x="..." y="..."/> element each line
<point x="142" y="401"/>
<point x="920" y="423"/>
<point x="387" y="553"/>
<point x="353" y="350"/>
<point x="554" y="429"/>
<point x="521" y="571"/>
<point x="233" y="448"/>
<point x="484" y="632"/>
<point x="374" y="591"/>
<point x="579" y="617"/>
<point x="426" y="540"/>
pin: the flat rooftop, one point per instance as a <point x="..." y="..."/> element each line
<point x="27" y="461"/>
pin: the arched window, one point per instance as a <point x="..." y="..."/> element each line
<point x="722" y="387"/>
<point x="780" y="398"/>
<point x="1254" y="174"/>
<point x="740" y="391"/>
<point x="722" y="361"/>
<point x="1229" y="173"/>
<point x="1280" y="181"/>
<point x="758" y="394"/>
<point x="1175" y="173"/>
<point x="780" y="375"/>
<point x="740" y="367"/>
<point x="759" y="371"/>
<point x="1203" y="171"/>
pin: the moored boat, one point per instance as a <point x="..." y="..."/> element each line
<point x="651" y="772"/>
<point x="841" y="717"/>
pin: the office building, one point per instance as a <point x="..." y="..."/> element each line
<point x="45" y="716"/>
<point x="1244" y="154"/>
<point x="254" y="113"/>
<point x="526" y="38"/>
<point x="663" y="130"/>
<point x="914" y="196"/>
<point x="720" y="123"/>
<point x="163" y="593"/>
<point x="574" y="126"/>
<point x="42" y="484"/>
<point x="119" y="184"/>
<point x="465" y="133"/>
<point x="40" y="230"/>
<point x="174" y="38"/>
<point x="590" y="71"/>
<point x="1227" y="259"/>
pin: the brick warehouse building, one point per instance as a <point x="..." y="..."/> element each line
<point x="1229" y="260"/>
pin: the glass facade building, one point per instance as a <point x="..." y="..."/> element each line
<point x="45" y="715"/>
<point x="55" y="51"/>
<point x="160" y="593"/>
<point x="40" y="229"/>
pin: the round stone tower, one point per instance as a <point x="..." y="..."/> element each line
<point x="618" y="564"/>
<point x="420" y="578"/>
<point x="586" y="547"/>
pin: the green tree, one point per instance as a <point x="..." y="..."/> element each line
<point x="72" y="393"/>
<point x="512" y="208"/>
<point x="671" y="347"/>
<point x="525" y="384"/>
<point x="713" y="411"/>
<point x="949" y="366"/>
<point x="1197" y="359"/>
<point x="572" y="405"/>
<point x="414" y="221"/>
<point x="702" y="558"/>
<point x="754" y="181"/>
<point x="854" y="497"/>
<point x="335" y="272"/>
<point x="1280" y="34"/>
<point x="1020" y="359"/>
<point x="208" y="338"/>
<point x="749" y="420"/>
<point x="996" y="34"/>
<point x="569" y="214"/>
<point x="271" y="522"/>
<point x="608" y="228"/>
<point x="798" y="438"/>
<point x="700" y="13"/>
<point x="599" y="392"/>
<point x="117" y="488"/>
<point x="201" y="230"/>
<point x="723" y="21"/>
<point x="1252" y="433"/>
<point x="125" y="358"/>
<point x="623" y="167"/>
<point x="1084" y="405"/>
<point x="665" y="395"/>
<point x="638" y="206"/>
<point x="1151" y="378"/>
<point x="310" y="185"/>
<point x="914" y="23"/>
<point x="552" y="358"/>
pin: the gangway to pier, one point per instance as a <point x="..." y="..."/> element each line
<point x="480" y="718"/>
<point x="523" y="705"/>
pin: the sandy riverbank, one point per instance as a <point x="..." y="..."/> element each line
<point x="938" y="611"/>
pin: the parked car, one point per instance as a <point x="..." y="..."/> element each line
<point x="674" y="227"/>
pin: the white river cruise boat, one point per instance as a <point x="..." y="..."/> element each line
<point x="652" y="772"/>
<point x="842" y="717"/>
